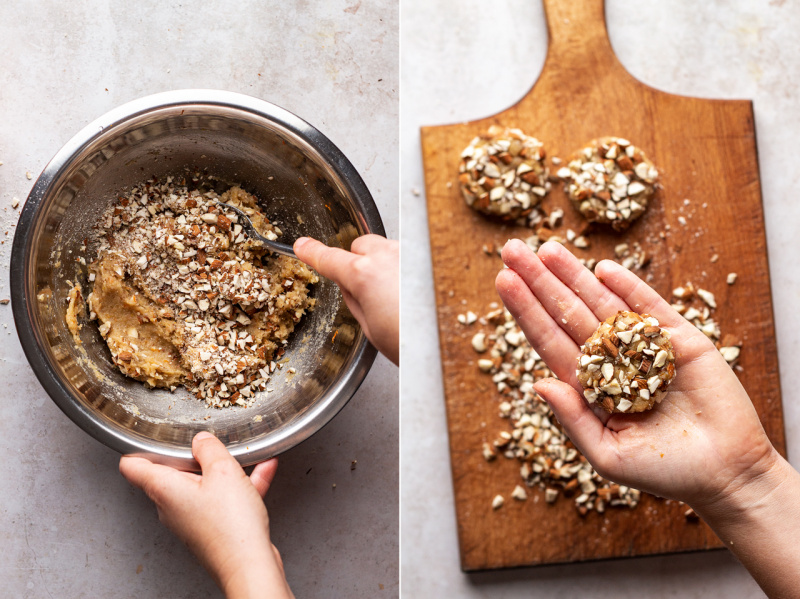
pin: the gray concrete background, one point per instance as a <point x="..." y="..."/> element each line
<point x="467" y="59"/>
<point x="70" y="526"/>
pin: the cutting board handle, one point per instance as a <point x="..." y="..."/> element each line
<point x="578" y="34"/>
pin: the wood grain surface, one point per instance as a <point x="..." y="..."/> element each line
<point x="706" y="152"/>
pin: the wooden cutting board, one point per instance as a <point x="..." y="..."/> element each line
<point x="706" y="151"/>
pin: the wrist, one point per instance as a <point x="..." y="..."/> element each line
<point x="746" y="494"/>
<point x="257" y="575"/>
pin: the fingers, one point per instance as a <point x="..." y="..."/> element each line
<point x="597" y="297"/>
<point x="640" y="296"/>
<point x="369" y="244"/>
<point x="355" y="309"/>
<point x="156" y="480"/>
<point x="212" y="455"/>
<point x="262" y="476"/>
<point x="581" y="424"/>
<point x="331" y="263"/>
<point x="335" y="264"/>
<point x="561" y="303"/>
<point x="549" y="340"/>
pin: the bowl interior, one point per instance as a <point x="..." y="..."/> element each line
<point x="296" y="185"/>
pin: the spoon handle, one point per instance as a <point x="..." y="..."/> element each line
<point x="279" y="248"/>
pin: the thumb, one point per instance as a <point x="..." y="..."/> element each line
<point x="262" y="476"/>
<point x="331" y="262"/>
<point x="212" y="455"/>
<point x="581" y="424"/>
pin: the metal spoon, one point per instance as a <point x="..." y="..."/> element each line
<point x="247" y="226"/>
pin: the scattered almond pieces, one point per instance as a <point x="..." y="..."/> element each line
<point x="731" y="278"/>
<point x="519" y="493"/>
<point x="631" y="256"/>
<point x="497" y="502"/>
<point x="685" y="303"/>
<point x="581" y="242"/>
<point x="479" y="342"/>
<point x="468" y="318"/>
<point x="707" y="297"/>
<point x="548" y="459"/>
<point x="731" y="353"/>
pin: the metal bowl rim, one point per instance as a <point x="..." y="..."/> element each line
<point x="309" y="422"/>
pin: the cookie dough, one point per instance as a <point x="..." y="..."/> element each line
<point x="76" y="310"/>
<point x="183" y="297"/>
<point x="502" y="173"/>
<point x="610" y="181"/>
<point x="627" y="364"/>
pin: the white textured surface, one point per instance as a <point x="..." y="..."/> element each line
<point x="69" y="524"/>
<point x="468" y="59"/>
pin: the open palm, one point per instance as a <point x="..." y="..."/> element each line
<point x="700" y="442"/>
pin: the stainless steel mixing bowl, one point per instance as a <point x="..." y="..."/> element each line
<point x="292" y="168"/>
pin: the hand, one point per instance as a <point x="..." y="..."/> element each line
<point x="219" y="515"/>
<point x="702" y="443"/>
<point x="369" y="277"/>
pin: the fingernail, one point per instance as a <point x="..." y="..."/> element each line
<point x="300" y="243"/>
<point x="203" y="435"/>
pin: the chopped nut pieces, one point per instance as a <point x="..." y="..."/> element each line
<point x="631" y="256"/>
<point x="581" y="242"/>
<point x="497" y="502"/>
<point x="479" y="342"/>
<point x="732" y="278"/>
<point x="502" y="173"/>
<point x="468" y="318"/>
<point x="707" y="297"/>
<point x="700" y="316"/>
<point x="627" y="363"/>
<point x="519" y="493"/>
<point x="731" y="354"/>
<point x="197" y="302"/>
<point x="610" y="181"/>
<point x="548" y="459"/>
